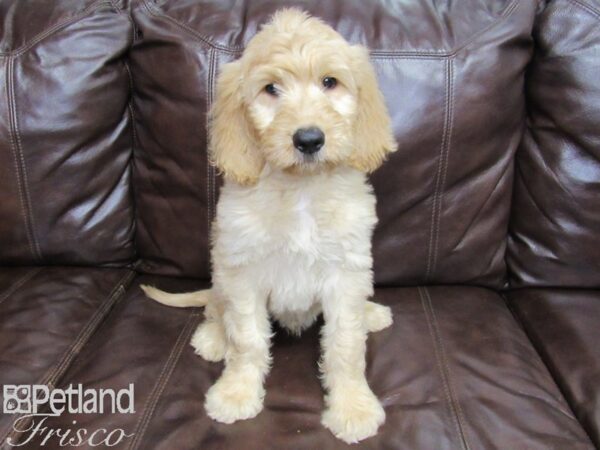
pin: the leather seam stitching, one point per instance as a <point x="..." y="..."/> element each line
<point x="16" y="157"/>
<point x="449" y="124"/>
<point x="19" y="283"/>
<point x="24" y="178"/>
<point x="437" y="358"/>
<point x="91" y="326"/>
<point x="162" y="381"/>
<point x="8" y="76"/>
<point x="588" y="8"/>
<point x="438" y="347"/>
<point x="116" y="7"/>
<point x="55" y="28"/>
<point x="544" y="363"/>
<point x="459" y="412"/>
<point x="154" y="11"/>
<point x="376" y="57"/>
<point x="453" y="52"/>
<point x="53" y="375"/>
<point x="432" y="227"/>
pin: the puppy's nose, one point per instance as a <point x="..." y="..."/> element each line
<point x="308" y="140"/>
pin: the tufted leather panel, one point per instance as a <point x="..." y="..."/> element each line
<point x="65" y="133"/>
<point x="554" y="234"/>
<point x="453" y="86"/>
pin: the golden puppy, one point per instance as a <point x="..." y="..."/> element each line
<point x="297" y="123"/>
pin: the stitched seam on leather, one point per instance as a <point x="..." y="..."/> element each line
<point x="434" y="209"/>
<point x="588" y="8"/>
<point x="375" y="57"/>
<point x="210" y="173"/>
<point x="543" y="363"/>
<point x="438" y="348"/>
<point x="53" y="375"/>
<point x="19" y="283"/>
<point x="24" y="177"/>
<point x="115" y="6"/>
<point x="154" y="11"/>
<point x="459" y="411"/>
<point x="90" y="327"/>
<point x="50" y="31"/>
<point x="439" y="364"/>
<point x="18" y="159"/>
<point x="8" y="76"/>
<point x="162" y="380"/>
<point x="448" y="125"/>
<point x="504" y="15"/>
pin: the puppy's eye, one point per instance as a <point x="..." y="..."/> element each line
<point x="271" y="90"/>
<point x="329" y="82"/>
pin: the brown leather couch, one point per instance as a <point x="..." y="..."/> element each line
<point x="488" y="246"/>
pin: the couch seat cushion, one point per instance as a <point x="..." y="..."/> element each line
<point x="454" y="371"/>
<point x="47" y="314"/>
<point x="563" y="326"/>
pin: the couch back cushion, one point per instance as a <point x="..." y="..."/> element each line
<point x="65" y="133"/>
<point x="452" y="75"/>
<point x="555" y="224"/>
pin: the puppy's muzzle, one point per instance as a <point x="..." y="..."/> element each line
<point x="308" y="140"/>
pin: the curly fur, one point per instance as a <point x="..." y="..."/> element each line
<point x="292" y="236"/>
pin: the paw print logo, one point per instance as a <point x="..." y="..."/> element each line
<point x="17" y="399"/>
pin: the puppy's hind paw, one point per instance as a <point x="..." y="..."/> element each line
<point x="377" y="317"/>
<point x="209" y="341"/>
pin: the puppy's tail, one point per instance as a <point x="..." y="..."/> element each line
<point x="187" y="299"/>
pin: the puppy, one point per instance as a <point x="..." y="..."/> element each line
<point x="297" y="123"/>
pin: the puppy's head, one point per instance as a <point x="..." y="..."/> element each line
<point x="300" y="98"/>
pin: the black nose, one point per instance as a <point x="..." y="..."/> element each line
<point x="308" y="140"/>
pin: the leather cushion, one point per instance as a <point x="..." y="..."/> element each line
<point x="454" y="88"/>
<point x="563" y="326"/>
<point x="454" y="371"/>
<point x="46" y="317"/>
<point x="65" y="134"/>
<point x="554" y="239"/>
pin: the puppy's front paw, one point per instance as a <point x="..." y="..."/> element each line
<point x="354" y="416"/>
<point x="228" y="401"/>
<point x="377" y="317"/>
<point x="209" y="341"/>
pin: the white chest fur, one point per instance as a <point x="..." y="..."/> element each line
<point x="289" y="234"/>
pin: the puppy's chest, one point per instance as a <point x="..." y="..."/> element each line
<point x="306" y="224"/>
<point x="301" y="224"/>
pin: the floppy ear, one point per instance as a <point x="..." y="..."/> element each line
<point x="374" y="138"/>
<point x="232" y="141"/>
